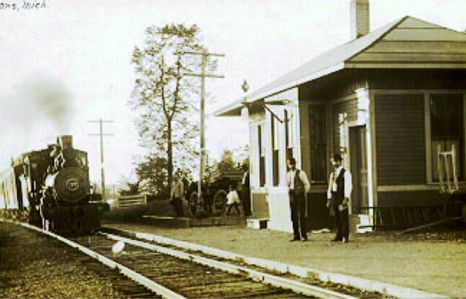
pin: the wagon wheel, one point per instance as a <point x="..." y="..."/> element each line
<point x="220" y="200"/>
<point x="193" y="202"/>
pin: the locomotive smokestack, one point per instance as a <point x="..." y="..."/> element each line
<point x="65" y="141"/>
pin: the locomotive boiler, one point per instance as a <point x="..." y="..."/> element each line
<point x="51" y="186"/>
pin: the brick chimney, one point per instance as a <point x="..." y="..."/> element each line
<point x="359" y="15"/>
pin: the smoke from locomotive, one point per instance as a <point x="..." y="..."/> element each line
<point x="52" y="187"/>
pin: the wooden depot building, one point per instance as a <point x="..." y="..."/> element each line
<point x="385" y="100"/>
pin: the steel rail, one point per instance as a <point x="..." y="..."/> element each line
<point x="131" y="274"/>
<point x="285" y="283"/>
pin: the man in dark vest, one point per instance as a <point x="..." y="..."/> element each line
<point x="338" y="195"/>
<point x="298" y="187"/>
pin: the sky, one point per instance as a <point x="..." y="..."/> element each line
<point x="69" y="62"/>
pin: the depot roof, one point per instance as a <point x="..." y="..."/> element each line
<point x="405" y="43"/>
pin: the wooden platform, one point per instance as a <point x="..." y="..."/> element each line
<point x="184" y="222"/>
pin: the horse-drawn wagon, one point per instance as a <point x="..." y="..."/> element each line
<point x="212" y="201"/>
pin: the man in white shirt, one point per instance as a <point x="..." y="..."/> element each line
<point x="232" y="201"/>
<point x="298" y="187"/>
<point x="338" y="195"/>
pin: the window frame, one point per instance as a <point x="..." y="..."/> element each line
<point x="428" y="133"/>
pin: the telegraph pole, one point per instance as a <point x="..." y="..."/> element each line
<point x="204" y="55"/>
<point x="101" y="135"/>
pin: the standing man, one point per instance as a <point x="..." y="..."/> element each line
<point x="338" y="195"/>
<point x="246" y="191"/>
<point x="177" y="194"/>
<point x="298" y="187"/>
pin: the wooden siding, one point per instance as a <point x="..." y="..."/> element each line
<point x="399" y="121"/>
<point x="424" y="34"/>
<point x="398" y="210"/>
<point x="416" y="41"/>
<point x="411" y="57"/>
<point x="410" y="198"/>
<point x="414" y="23"/>
<point x="415" y="79"/>
<point x="417" y="47"/>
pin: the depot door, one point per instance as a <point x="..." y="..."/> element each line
<point x="358" y="165"/>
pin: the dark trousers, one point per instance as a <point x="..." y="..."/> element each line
<point x="246" y="201"/>
<point x="298" y="215"/>
<point x="236" y="206"/>
<point x="178" y="205"/>
<point x="341" y="221"/>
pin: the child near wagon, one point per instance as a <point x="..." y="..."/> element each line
<point x="232" y="200"/>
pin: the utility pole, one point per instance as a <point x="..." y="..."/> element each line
<point x="205" y="55"/>
<point x="101" y="135"/>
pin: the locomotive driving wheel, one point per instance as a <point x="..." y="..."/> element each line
<point x="196" y="206"/>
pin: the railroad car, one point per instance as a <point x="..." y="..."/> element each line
<point x="50" y="187"/>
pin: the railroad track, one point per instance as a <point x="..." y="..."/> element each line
<point x="194" y="276"/>
<point x="172" y="273"/>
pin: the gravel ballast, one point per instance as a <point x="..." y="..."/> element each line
<point x="35" y="266"/>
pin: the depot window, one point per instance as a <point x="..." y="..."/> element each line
<point x="447" y="130"/>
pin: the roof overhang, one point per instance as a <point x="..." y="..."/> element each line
<point x="234" y="109"/>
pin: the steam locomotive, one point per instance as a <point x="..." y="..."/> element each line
<point x="50" y="187"/>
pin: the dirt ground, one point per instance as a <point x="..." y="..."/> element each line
<point x="430" y="262"/>
<point x="34" y="266"/>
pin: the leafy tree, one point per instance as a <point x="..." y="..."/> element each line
<point x="152" y="173"/>
<point x="163" y="97"/>
<point x="227" y="162"/>
<point x="131" y="188"/>
<point x="232" y="159"/>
